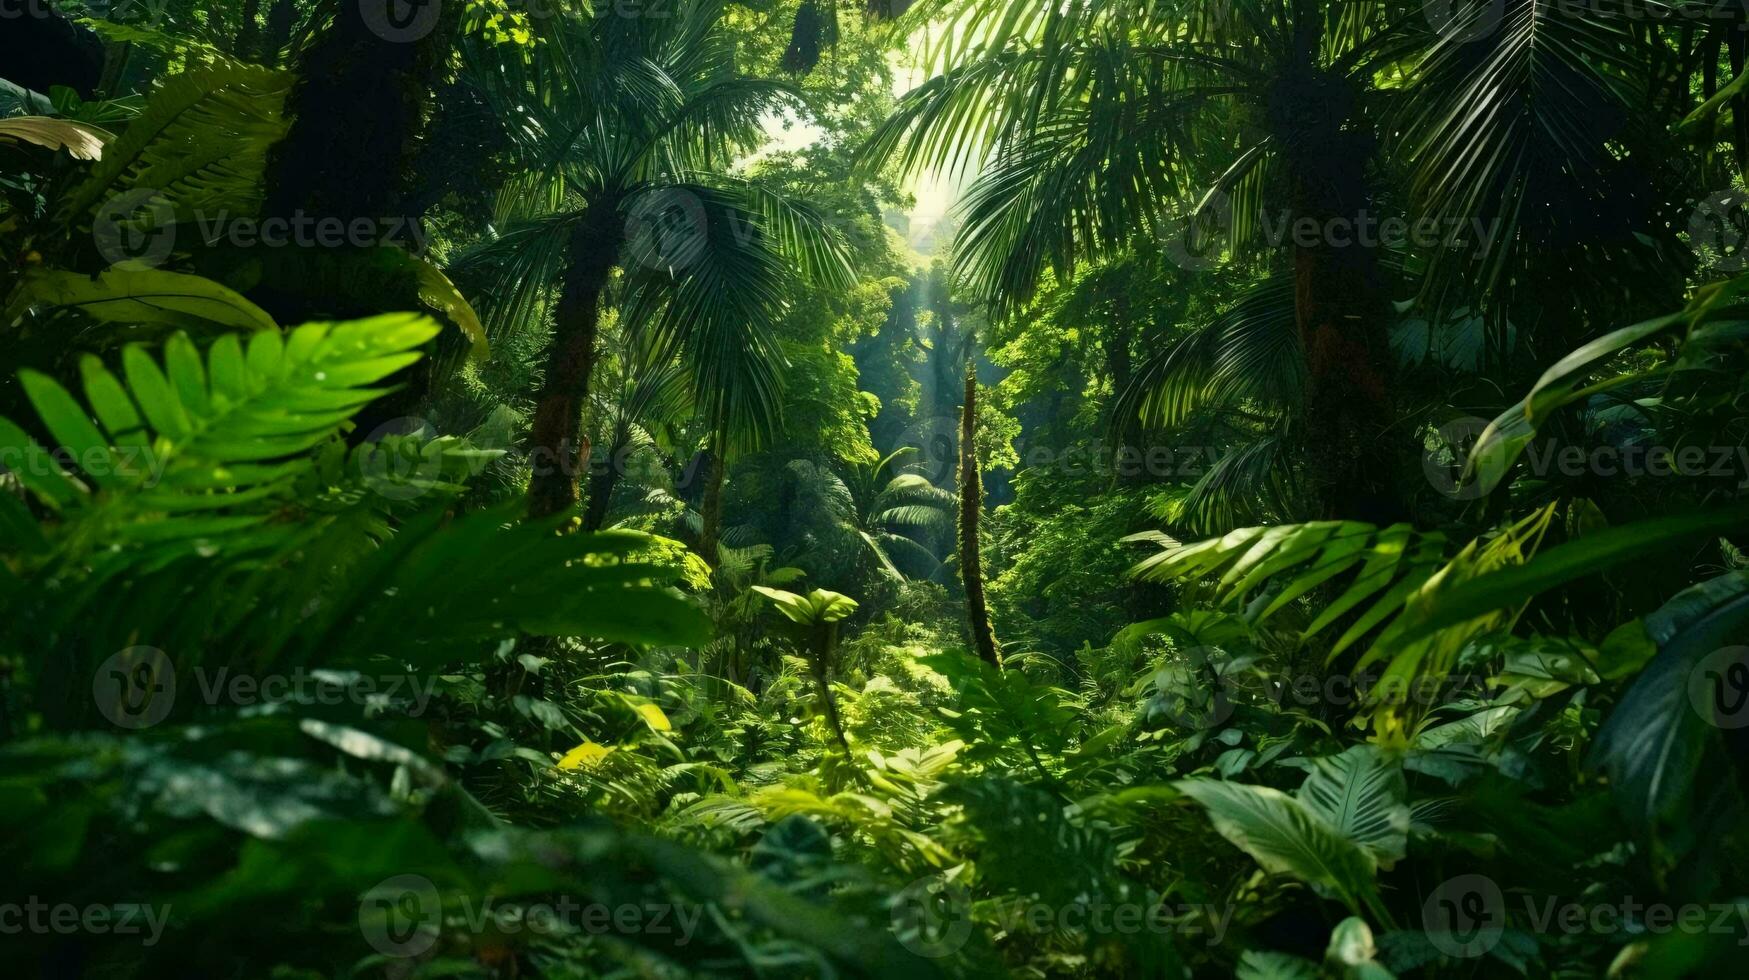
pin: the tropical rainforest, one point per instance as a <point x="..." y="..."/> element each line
<point x="892" y="489"/>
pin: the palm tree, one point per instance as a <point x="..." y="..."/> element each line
<point x="1102" y="125"/>
<point x="874" y="511"/>
<point x="623" y="129"/>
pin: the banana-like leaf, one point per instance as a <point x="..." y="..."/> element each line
<point x="124" y="295"/>
<point x="818" y="606"/>
<point x="443" y="296"/>
<point x="1559" y="565"/>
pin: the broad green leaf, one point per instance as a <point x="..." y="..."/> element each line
<point x="130" y="296"/>
<point x="1286" y="837"/>
<point x="1362" y="795"/>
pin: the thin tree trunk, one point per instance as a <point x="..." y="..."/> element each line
<point x="245" y="44"/>
<point x="281" y="19"/>
<point x="971" y="510"/>
<point x="558" y="448"/>
<point x="710" y="508"/>
<point x="825" y="649"/>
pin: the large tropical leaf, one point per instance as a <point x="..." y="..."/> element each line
<point x="1362" y="795"/>
<point x="134" y="296"/>
<point x="1287" y="837"/>
<point x="1662" y="747"/>
<point x="1384" y="565"/>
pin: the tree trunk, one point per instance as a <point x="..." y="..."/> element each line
<point x="710" y="508"/>
<point x="1341" y="305"/>
<point x="971" y="510"/>
<point x="601" y="486"/>
<point x="40" y="52"/>
<point x="247" y="42"/>
<point x="281" y="19"/>
<point x="558" y="449"/>
<point x="359" y="108"/>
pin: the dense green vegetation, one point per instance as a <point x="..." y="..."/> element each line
<point x="493" y="488"/>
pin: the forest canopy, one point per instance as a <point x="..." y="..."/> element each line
<point x="901" y="489"/>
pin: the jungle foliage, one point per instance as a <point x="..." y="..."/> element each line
<point x="492" y="489"/>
